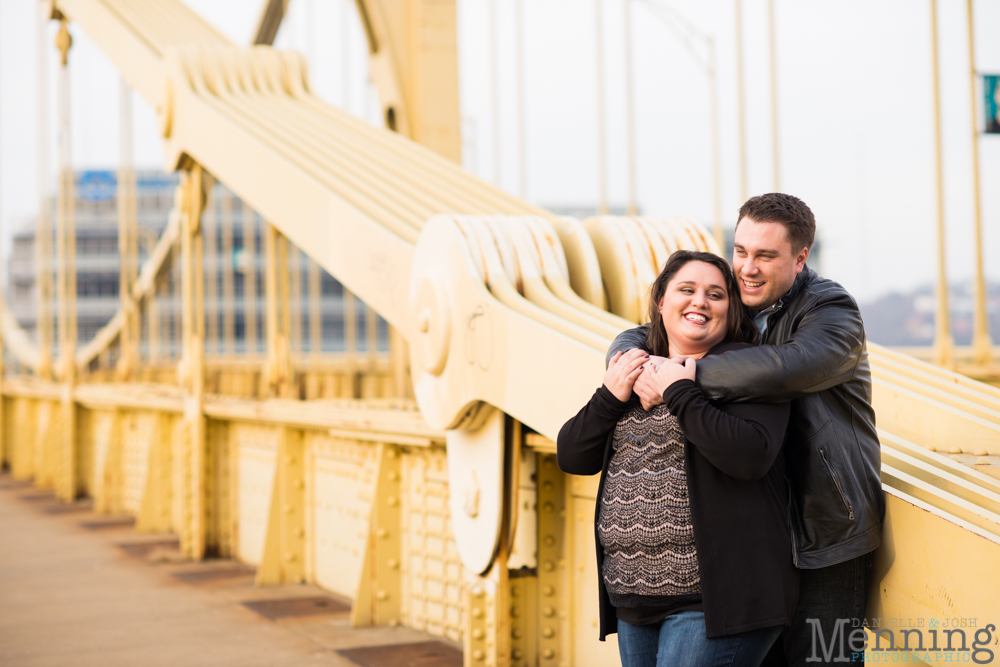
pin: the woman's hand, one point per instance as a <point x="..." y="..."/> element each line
<point x="622" y="372"/>
<point x="645" y="385"/>
<point x="669" y="373"/>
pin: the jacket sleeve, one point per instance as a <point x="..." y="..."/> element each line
<point x="583" y="439"/>
<point x="743" y="440"/>
<point x="627" y="340"/>
<point x="823" y="352"/>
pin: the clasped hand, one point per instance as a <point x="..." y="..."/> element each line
<point x="658" y="374"/>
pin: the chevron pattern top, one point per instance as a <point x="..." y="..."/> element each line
<point x="645" y="518"/>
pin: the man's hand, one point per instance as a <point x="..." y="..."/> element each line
<point x="667" y="374"/>
<point x="622" y="372"/>
<point x="645" y="385"/>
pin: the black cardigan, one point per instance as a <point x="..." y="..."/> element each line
<point x="738" y="494"/>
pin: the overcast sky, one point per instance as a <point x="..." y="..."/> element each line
<point x="854" y="103"/>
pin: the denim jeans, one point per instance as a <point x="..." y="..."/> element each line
<point x="680" y="640"/>
<point x="825" y="595"/>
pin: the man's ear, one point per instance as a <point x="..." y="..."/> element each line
<point x="800" y="260"/>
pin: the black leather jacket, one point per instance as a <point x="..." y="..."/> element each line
<point x="814" y="355"/>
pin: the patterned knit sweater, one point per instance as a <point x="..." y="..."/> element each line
<point x="645" y="518"/>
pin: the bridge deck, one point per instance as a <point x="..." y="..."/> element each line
<point x="70" y="594"/>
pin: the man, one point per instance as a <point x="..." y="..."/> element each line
<point x="813" y="354"/>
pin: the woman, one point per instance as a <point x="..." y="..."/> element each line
<point x="693" y="546"/>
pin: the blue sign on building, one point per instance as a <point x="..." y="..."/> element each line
<point x="991" y="100"/>
<point x="96" y="185"/>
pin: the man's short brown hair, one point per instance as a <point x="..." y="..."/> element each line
<point x="788" y="210"/>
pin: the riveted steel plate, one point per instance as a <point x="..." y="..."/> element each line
<point x="110" y="523"/>
<point x="294" y="607"/>
<point x="421" y="654"/>
<point x="144" y="549"/>
<point x="213" y="575"/>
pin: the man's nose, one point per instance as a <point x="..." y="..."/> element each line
<point x="749" y="267"/>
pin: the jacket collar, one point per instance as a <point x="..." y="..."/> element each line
<point x="804" y="278"/>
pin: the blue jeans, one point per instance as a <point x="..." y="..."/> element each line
<point x="680" y="640"/>
<point x="832" y="601"/>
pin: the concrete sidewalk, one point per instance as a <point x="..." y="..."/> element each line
<point x="77" y="589"/>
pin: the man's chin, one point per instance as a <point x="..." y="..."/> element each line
<point x="751" y="300"/>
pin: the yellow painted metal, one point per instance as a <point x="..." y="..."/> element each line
<point x="192" y="461"/>
<point x="228" y="290"/>
<point x="378" y="600"/>
<point x="249" y="279"/>
<point x="944" y="343"/>
<point x="43" y="221"/>
<point x="66" y="278"/>
<point x="283" y="557"/>
<point x="128" y="246"/>
<point x="210" y="222"/>
<point x="467" y="289"/>
<point x="982" y="346"/>
<point x="277" y="318"/>
<point x="917" y="540"/>
<point x="315" y="289"/>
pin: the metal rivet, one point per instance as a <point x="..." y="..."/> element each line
<point x="548" y="633"/>
<point x="478" y="633"/>
<point x="548" y="590"/>
<point x="549" y="612"/>
<point x="548" y="654"/>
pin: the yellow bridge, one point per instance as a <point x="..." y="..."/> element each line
<point x="414" y="482"/>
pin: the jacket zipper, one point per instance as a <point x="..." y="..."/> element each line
<point x="836" y="480"/>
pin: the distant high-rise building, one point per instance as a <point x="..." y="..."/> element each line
<point x="98" y="262"/>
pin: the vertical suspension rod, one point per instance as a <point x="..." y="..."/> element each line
<point x="632" y="208"/>
<point x="602" y="174"/>
<point x="982" y="346"/>
<point x="776" y="152"/>
<point x="741" y="103"/>
<point x="944" y="344"/>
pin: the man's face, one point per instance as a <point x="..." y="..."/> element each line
<point x="765" y="262"/>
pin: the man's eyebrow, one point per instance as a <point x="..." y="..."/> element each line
<point x="762" y="251"/>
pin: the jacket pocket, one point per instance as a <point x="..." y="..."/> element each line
<point x="836" y="481"/>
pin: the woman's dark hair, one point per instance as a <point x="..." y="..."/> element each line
<point x="740" y="329"/>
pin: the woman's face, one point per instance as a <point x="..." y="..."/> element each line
<point x="695" y="309"/>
